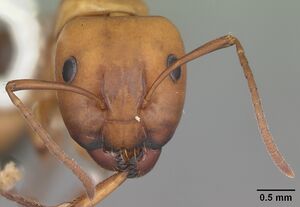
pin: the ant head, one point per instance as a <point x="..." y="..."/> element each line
<point x="118" y="59"/>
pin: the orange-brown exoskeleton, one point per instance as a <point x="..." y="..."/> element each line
<point x="120" y="78"/>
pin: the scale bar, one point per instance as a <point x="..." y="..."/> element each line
<point x="276" y="190"/>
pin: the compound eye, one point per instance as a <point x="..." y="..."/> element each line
<point x="175" y="74"/>
<point x="69" y="70"/>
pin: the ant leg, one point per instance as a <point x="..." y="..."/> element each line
<point x="20" y="199"/>
<point x="103" y="189"/>
<point x="220" y="43"/>
<point x="53" y="148"/>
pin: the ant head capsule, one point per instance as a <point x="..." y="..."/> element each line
<point x="118" y="59"/>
